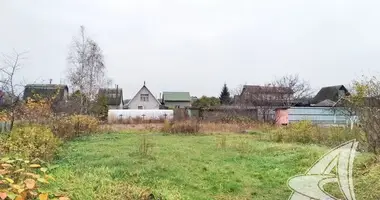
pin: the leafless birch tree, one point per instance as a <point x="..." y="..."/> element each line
<point x="87" y="69"/>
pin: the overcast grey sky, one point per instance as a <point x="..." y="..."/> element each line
<point x="197" y="45"/>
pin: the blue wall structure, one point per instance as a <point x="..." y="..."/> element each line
<point x="318" y="115"/>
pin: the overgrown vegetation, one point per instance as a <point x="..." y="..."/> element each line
<point x="237" y="119"/>
<point x="365" y="103"/>
<point x="100" y="107"/>
<point x="194" y="168"/>
<point x="307" y="133"/>
<point x="75" y="125"/>
<point x="32" y="141"/>
<point x="185" y="127"/>
<point x="145" y="148"/>
<point x="206" y="102"/>
<point x="22" y="180"/>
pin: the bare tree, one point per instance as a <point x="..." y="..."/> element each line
<point x="365" y="102"/>
<point x="345" y="106"/>
<point x="301" y="88"/>
<point x="87" y="69"/>
<point x="12" y="90"/>
<point x="96" y="68"/>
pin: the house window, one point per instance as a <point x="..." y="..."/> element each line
<point x="140" y="107"/>
<point x="144" y="97"/>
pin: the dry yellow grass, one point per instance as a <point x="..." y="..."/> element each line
<point x="205" y="127"/>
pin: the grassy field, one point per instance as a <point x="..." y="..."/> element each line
<point x="126" y="166"/>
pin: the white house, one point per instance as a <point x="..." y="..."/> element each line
<point x="144" y="99"/>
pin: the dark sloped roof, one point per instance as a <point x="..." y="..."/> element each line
<point x="44" y="90"/>
<point x="114" y="96"/>
<point x="325" y="103"/>
<point x="330" y="93"/>
<point x="267" y="89"/>
<point x="176" y="96"/>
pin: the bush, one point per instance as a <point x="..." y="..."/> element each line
<point x="187" y="127"/>
<point x="32" y="141"/>
<point x="305" y="132"/>
<point x="302" y="132"/>
<point x="236" y="119"/>
<point x="34" y="111"/>
<point x="74" y="126"/>
<point x="20" y="179"/>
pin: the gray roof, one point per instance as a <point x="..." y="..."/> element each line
<point x="114" y="96"/>
<point x="330" y="92"/>
<point x="325" y="103"/>
<point x="44" y="90"/>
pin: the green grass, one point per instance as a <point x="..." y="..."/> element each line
<point x="124" y="166"/>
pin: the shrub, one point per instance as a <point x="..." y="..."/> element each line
<point x="306" y="132"/>
<point x="302" y="132"/>
<point x="145" y="147"/>
<point x="222" y="142"/>
<point x="100" y="108"/>
<point x="32" y="141"/>
<point x="74" y="126"/>
<point x="187" y="127"/>
<point x="20" y="179"/>
<point x="35" y="111"/>
<point x="236" y="119"/>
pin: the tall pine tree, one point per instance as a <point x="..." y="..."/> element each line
<point x="225" y="98"/>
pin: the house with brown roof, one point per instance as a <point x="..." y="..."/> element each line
<point x="256" y="95"/>
<point x="114" y="97"/>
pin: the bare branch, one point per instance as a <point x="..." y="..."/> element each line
<point x="11" y="64"/>
<point x="301" y="88"/>
<point x="87" y="69"/>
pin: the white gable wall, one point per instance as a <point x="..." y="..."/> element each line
<point x="136" y="101"/>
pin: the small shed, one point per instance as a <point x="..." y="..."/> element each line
<point x="282" y="116"/>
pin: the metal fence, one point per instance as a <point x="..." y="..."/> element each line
<point x="319" y="115"/>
